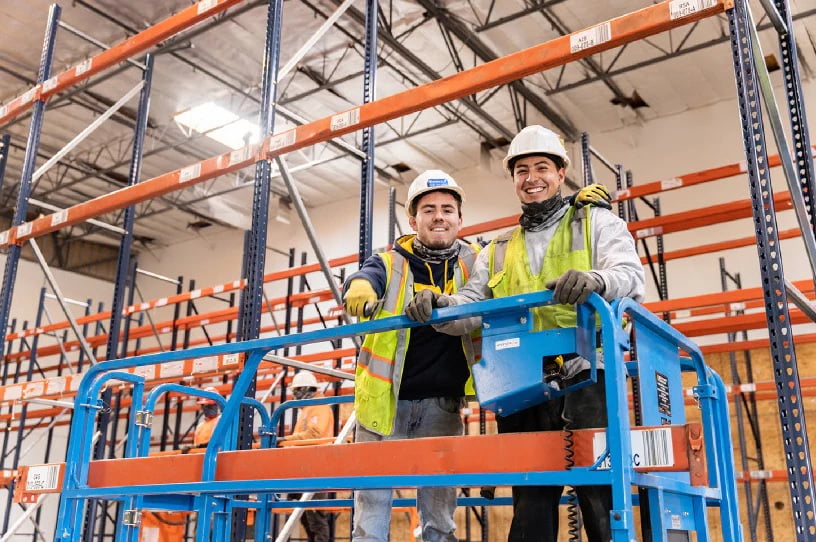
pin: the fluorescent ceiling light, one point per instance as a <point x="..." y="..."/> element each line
<point x="219" y="124"/>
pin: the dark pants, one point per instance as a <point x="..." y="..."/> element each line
<point x="535" y="508"/>
<point x="315" y="522"/>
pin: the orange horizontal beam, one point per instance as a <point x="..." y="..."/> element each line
<point x="717" y="247"/>
<point x="128" y="48"/>
<point x="753" y="344"/>
<point x="621" y="30"/>
<point x="734" y="323"/>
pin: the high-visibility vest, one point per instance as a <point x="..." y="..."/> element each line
<point x="509" y="267"/>
<point x="204" y="431"/>
<point x="382" y="357"/>
<point x="314" y="421"/>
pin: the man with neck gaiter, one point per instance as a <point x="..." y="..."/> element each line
<point x="411" y="383"/>
<point x="574" y="252"/>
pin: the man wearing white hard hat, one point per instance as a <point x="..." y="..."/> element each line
<point x="411" y="383"/>
<point x="574" y="252"/>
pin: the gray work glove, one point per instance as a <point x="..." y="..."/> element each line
<point x="574" y="287"/>
<point x="420" y="307"/>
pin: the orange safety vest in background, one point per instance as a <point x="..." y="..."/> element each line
<point x="162" y="526"/>
<point x="204" y="431"/>
<point x="315" y="421"/>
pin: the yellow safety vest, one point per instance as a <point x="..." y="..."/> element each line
<point x="382" y="357"/>
<point x="509" y="266"/>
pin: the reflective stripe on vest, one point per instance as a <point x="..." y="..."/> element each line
<point x="379" y="365"/>
<point x="509" y="268"/>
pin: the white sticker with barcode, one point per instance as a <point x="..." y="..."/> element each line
<point x="195" y="294"/>
<point x="737" y="306"/>
<point x="240" y="155"/>
<point x="4" y="237"/>
<point x="203" y="365"/>
<point x="189" y="173"/>
<point x="683" y="314"/>
<point x="648" y="232"/>
<point x="55" y="385"/>
<point x="590" y="37"/>
<point x="171" y="369"/>
<point x="29" y="95"/>
<point x="42" y="478"/>
<point x="161" y="302"/>
<point x="620" y="194"/>
<point x="50" y="84"/>
<point x="218" y="289"/>
<point x="24" y="229"/>
<point x="504" y="344"/>
<point x="650" y="448"/>
<point x="230" y="359"/>
<point x="205" y="5"/>
<point x="82" y="67"/>
<point x="148" y="372"/>
<point x="3" y="110"/>
<point x="285" y="139"/>
<point x="684" y="8"/>
<point x="668" y="184"/>
<point x="59" y="217"/>
<point x="342" y="120"/>
<point x="75" y="380"/>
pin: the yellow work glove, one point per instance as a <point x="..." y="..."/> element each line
<point x="594" y="194"/>
<point x="359" y="294"/>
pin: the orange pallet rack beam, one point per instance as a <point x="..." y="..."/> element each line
<point x="621" y="30"/>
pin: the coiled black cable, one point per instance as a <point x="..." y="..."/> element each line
<point x="573" y="523"/>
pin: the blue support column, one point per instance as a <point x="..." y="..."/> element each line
<point x="29" y="164"/>
<point x="5" y="143"/>
<point x="786" y="373"/>
<point x="122" y="271"/>
<point x="369" y="91"/>
<point x="802" y="151"/>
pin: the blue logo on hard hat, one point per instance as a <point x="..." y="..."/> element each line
<point x="437" y="182"/>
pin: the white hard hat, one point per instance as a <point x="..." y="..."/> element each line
<point x="429" y="181"/>
<point x="534" y="140"/>
<point x="304" y="379"/>
<point x="207" y="400"/>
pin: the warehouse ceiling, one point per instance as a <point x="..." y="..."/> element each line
<point x="219" y="62"/>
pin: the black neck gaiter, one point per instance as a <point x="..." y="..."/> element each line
<point x="535" y="216"/>
<point x="435" y="254"/>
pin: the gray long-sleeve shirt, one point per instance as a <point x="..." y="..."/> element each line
<point x="614" y="261"/>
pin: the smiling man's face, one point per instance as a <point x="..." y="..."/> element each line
<point x="536" y="178"/>
<point x="437" y="220"/>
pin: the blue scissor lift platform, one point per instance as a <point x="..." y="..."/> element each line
<point x="681" y="469"/>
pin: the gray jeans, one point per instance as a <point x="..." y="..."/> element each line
<point x="433" y="417"/>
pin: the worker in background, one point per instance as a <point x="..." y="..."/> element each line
<point x="411" y="383"/>
<point x="210" y="413"/>
<point x="169" y="526"/>
<point x="314" y="422"/>
<point x="574" y="252"/>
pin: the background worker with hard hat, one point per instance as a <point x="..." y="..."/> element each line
<point x="574" y="252"/>
<point x="314" y="422"/>
<point x="211" y="414"/>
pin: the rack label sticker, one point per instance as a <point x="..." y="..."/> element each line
<point x="650" y="448"/>
<point x="240" y="155"/>
<point x="4" y="237"/>
<point x="668" y="184"/>
<point x="648" y="232"/>
<point x="148" y="372"/>
<point x="55" y="385"/>
<point x="663" y="396"/>
<point x="42" y="478"/>
<point x="285" y="139"/>
<point x="3" y="110"/>
<point x="504" y="344"/>
<point x="50" y="84"/>
<point x="206" y="364"/>
<point x="590" y="37"/>
<point x="189" y="173"/>
<point x="74" y="383"/>
<point x="684" y="8"/>
<point x="343" y="120"/>
<point x="737" y="306"/>
<point x="230" y="359"/>
<point x="683" y="313"/>
<point x="161" y="302"/>
<point x="171" y="369"/>
<point x="28" y="96"/>
<point x="13" y="393"/>
<point x="59" y="217"/>
<point x="218" y="289"/>
<point x="195" y="294"/>
<point x="34" y="389"/>
<point x="205" y="5"/>
<point x="760" y="474"/>
<point x="620" y="194"/>
<point x="24" y="229"/>
<point x="82" y="67"/>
